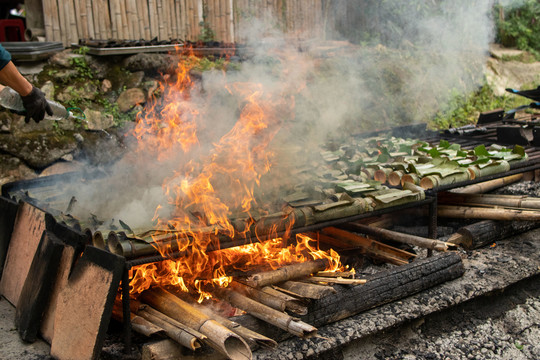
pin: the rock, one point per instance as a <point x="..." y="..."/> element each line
<point x="134" y="79"/>
<point x="129" y="98"/>
<point x="64" y="75"/>
<point x="38" y="150"/>
<point x="106" y="85"/>
<point x="149" y="62"/>
<point x="48" y="89"/>
<point x="62" y="167"/>
<point x="12" y="169"/>
<point x="97" y="120"/>
<point x="150" y="87"/>
<point x="510" y="74"/>
<point x="87" y="91"/>
<point x="64" y="58"/>
<point x="78" y="137"/>
<point x="99" y="66"/>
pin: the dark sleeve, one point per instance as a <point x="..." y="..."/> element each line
<point x="5" y="57"/>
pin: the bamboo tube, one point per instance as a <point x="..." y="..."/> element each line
<point x="219" y="337"/>
<point x="394" y="178"/>
<point x="410" y="178"/>
<point x="309" y="291"/>
<point x="382" y="175"/>
<point x="98" y="240"/>
<point x="477" y="172"/>
<point x="514" y="201"/>
<point x="434" y="181"/>
<point x="371" y="247"/>
<point x="285" y="273"/>
<point x="292" y="304"/>
<point x="265" y="313"/>
<point x="251" y="337"/>
<point x="462" y="212"/>
<point x="403" y="238"/>
<point x="177" y="331"/>
<point x="270" y="298"/>
<point x="489" y="185"/>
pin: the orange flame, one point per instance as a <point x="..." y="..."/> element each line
<point x="206" y="193"/>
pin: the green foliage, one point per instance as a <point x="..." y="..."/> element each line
<point x="519" y="26"/>
<point x="207" y="34"/>
<point x="462" y="110"/>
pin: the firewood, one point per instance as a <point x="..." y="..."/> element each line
<point x="488" y="185"/>
<point x="251" y="337"/>
<point x="513" y="201"/>
<point x="139" y="324"/>
<point x="285" y="273"/>
<point x="400" y="237"/>
<point x="463" y="212"/>
<point x="267" y="314"/>
<point x="265" y="297"/>
<point x="488" y="231"/>
<point x="310" y="291"/>
<point x="341" y="274"/>
<point x="370" y="247"/>
<point x="292" y="304"/>
<point x="218" y="336"/>
<point x="382" y="287"/>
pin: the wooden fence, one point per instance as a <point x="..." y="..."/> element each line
<point x="223" y="20"/>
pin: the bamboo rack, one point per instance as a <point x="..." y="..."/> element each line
<point x="67" y="21"/>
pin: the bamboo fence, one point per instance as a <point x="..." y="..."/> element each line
<point x="229" y="21"/>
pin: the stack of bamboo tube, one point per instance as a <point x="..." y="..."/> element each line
<point x="225" y="20"/>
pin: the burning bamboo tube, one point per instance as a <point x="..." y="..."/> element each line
<point x="285" y="273"/>
<point x="250" y="336"/>
<point x="177" y="331"/>
<point x="404" y="238"/>
<point x="291" y="303"/>
<point x="219" y="337"/>
<point x="489" y="185"/>
<point x="462" y="212"/>
<point x="515" y="201"/>
<point x="271" y="316"/>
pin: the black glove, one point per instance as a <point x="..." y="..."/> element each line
<point x="36" y="105"/>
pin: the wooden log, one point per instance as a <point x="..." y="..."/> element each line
<point x="489" y="231"/>
<point x="285" y="273"/>
<point x="37" y="288"/>
<point x="381" y="288"/>
<point x="510" y="201"/>
<point x="463" y="212"/>
<point x="177" y="331"/>
<point x="219" y="337"/>
<point x="309" y="291"/>
<point x="251" y="337"/>
<point x="370" y="247"/>
<point x="267" y="314"/>
<point x="488" y="185"/>
<point x="400" y="237"/>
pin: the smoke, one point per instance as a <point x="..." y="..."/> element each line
<point x="398" y="68"/>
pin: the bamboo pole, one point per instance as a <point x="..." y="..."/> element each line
<point x="48" y="20"/>
<point x="285" y="273"/>
<point x="462" y="212"/>
<point x="511" y="201"/>
<point x="230" y="21"/>
<point x="124" y="20"/>
<point x="185" y="22"/>
<point x="267" y="314"/>
<point x="292" y="304"/>
<point x="95" y="19"/>
<point x="219" y="337"/>
<point x="139" y="324"/>
<point x="153" y="17"/>
<point x="403" y="238"/>
<point x="489" y="185"/>
<point x="116" y="20"/>
<point x="133" y="23"/>
<point x="173" y="34"/>
<point x="251" y="337"/>
<point x="62" y="21"/>
<point x="142" y="15"/>
<point x="75" y="16"/>
<point x="374" y="249"/>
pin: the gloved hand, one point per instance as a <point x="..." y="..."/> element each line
<point x="36" y="105"/>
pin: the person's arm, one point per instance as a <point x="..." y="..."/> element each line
<point x="34" y="100"/>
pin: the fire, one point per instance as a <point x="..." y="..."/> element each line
<point x="207" y="191"/>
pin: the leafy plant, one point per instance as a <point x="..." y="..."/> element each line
<point x="519" y="26"/>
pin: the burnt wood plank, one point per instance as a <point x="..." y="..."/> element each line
<point x="37" y="288"/>
<point x="8" y="209"/>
